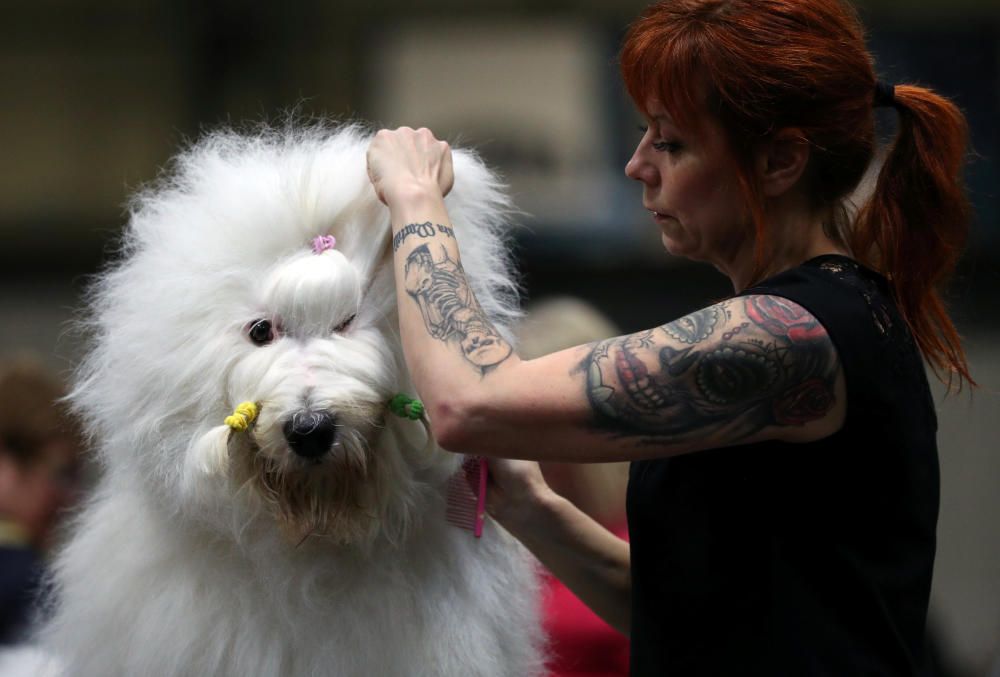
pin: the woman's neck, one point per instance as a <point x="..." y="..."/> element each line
<point x="793" y="239"/>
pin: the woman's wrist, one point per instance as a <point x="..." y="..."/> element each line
<point x="527" y="515"/>
<point x="409" y="200"/>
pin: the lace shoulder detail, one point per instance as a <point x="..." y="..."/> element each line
<point x="894" y="338"/>
<point x="851" y="273"/>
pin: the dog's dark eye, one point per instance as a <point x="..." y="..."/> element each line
<point x="260" y="332"/>
<point x="345" y="324"/>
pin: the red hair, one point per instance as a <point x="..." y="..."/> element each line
<point x="757" y="66"/>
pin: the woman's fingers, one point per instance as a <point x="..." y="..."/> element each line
<point x="405" y="159"/>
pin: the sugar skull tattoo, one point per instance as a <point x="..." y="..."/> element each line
<point x="731" y="369"/>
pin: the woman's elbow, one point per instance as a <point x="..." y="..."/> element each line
<point x="449" y="422"/>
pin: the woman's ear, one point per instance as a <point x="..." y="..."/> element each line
<point x="781" y="161"/>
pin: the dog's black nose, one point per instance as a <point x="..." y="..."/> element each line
<point x="310" y="434"/>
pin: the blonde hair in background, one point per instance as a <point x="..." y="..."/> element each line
<point x="550" y="325"/>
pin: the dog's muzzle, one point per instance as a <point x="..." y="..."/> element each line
<point x="311" y="434"/>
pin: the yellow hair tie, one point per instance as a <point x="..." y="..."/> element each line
<point x="244" y="414"/>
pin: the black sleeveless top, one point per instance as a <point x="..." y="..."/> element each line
<point x="799" y="559"/>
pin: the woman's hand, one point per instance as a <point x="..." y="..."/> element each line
<point x="405" y="163"/>
<point x="515" y="492"/>
<point x="589" y="559"/>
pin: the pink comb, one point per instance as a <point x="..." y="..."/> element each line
<point x="465" y="501"/>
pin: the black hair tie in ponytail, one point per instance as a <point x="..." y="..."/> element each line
<point x="885" y="95"/>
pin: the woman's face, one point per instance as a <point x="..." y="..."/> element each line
<point x="690" y="185"/>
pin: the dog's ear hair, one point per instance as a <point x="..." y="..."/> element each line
<point x="481" y="212"/>
<point x="207" y="464"/>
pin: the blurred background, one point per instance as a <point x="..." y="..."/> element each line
<point x="97" y="95"/>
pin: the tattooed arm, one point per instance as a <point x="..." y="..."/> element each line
<point x="744" y="370"/>
<point x="449" y="343"/>
<point x="749" y="368"/>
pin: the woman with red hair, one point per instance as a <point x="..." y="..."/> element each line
<point x="784" y="483"/>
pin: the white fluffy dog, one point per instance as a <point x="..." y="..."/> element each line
<point x="314" y="542"/>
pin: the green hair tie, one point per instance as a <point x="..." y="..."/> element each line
<point x="406" y="407"/>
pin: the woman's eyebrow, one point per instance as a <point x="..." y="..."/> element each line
<point x="663" y="119"/>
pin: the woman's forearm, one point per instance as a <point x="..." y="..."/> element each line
<point x="586" y="557"/>
<point x="449" y="343"/>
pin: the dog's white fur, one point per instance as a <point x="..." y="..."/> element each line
<point x="209" y="553"/>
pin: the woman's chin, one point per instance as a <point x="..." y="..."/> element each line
<point x="675" y="247"/>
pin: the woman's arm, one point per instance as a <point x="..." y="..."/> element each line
<point x="743" y="370"/>
<point x="586" y="557"/>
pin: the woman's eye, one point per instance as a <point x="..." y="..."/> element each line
<point x="668" y="146"/>
<point x="261" y="332"/>
<point x="661" y="146"/>
<point x="344" y="325"/>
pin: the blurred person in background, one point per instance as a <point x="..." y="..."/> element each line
<point x="581" y="644"/>
<point x="39" y="463"/>
<point x="784" y="486"/>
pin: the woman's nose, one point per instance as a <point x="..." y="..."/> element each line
<point x="639" y="169"/>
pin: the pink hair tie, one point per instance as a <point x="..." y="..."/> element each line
<point x="323" y="242"/>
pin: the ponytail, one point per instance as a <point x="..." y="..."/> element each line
<point x="915" y="225"/>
